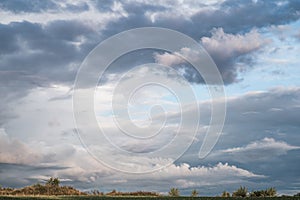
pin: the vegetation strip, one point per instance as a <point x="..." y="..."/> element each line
<point x="52" y="190"/>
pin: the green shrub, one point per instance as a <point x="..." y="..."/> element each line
<point x="269" y="192"/>
<point x="194" y="193"/>
<point x="225" y="194"/>
<point x="241" y="192"/>
<point x="174" y="192"/>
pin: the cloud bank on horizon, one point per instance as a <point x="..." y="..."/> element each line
<point x="254" y="44"/>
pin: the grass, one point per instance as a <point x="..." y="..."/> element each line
<point x="142" y="198"/>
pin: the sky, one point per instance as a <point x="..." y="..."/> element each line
<point x="254" y="46"/>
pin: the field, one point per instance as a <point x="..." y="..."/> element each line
<point x="142" y="198"/>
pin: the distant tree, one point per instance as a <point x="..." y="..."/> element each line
<point x="257" y="193"/>
<point x="112" y="193"/>
<point x="297" y="195"/>
<point x="270" y="192"/>
<point x="225" y="194"/>
<point x="174" y="192"/>
<point x="53" y="182"/>
<point x="52" y="186"/>
<point x="194" y="193"/>
<point x="241" y="192"/>
<point x="96" y="192"/>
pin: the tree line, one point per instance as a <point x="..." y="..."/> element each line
<point x="240" y="192"/>
<point x="52" y="187"/>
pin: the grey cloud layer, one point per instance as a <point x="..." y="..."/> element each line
<point x="33" y="55"/>
<point x="231" y="53"/>
<point x="250" y="14"/>
<point x="54" y="50"/>
<point x="260" y="152"/>
<point x="260" y="134"/>
<point x="43" y="44"/>
<point x="27" y="6"/>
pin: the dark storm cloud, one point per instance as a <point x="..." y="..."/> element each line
<point x="260" y="135"/>
<point x="33" y="55"/>
<point x="43" y="53"/>
<point x="231" y="53"/>
<point x="6" y="113"/>
<point x="27" y="6"/>
<point x="13" y="86"/>
<point x="20" y="175"/>
<point x="240" y="16"/>
<point x="36" y="6"/>
<point x="48" y="50"/>
<point x="55" y="37"/>
<point x="81" y="6"/>
<point x="273" y="112"/>
<point x="8" y="42"/>
<point x="38" y="55"/>
<point x="257" y="115"/>
<point x="233" y="17"/>
<point x="103" y="5"/>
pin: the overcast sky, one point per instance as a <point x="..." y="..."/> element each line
<point x="254" y="44"/>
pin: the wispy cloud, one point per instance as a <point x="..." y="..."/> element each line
<point x="262" y="150"/>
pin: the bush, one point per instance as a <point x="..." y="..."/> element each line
<point x="50" y="188"/>
<point x="297" y="195"/>
<point x="195" y="193"/>
<point x="241" y="192"/>
<point x="225" y="194"/>
<point x="269" y="192"/>
<point x="53" y="182"/>
<point x="174" y="192"/>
